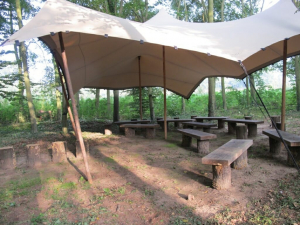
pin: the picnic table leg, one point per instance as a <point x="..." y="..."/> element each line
<point x="231" y="128"/>
<point x="296" y="154"/>
<point x="221" y="177"/>
<point x="241" y="162"/>
<point x="150" y="133"/>
<point x="275" y="146"/>
<point x="186" y="141"/>
<point x="252" y="130"/>
<point x="203" y="147"/>
<point x="221" y="124"/>
<point x="129" y="132"/>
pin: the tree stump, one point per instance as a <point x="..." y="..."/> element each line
<point x="203" y="147"/>
<point x="176" y="124"/>
<point x="7" y="158"/>
<point x="129" y="132"/>
<point x="150" y="133"/>
<point x="221" y="124"/>
<point x="221" y="177"/>
<point x="186" y="141"/>
<point x="252" y="130"/>
<point x="241" y="132"/>
<point x="107" y="129"/>
<point x="275" y="146"/>
<point x="275" y="120"/>
<point x="231" y="128"/>
<point x="33" y="155"/>
<point x="278" y="125"/>
<point x="78" y="149"/>
<point x="206" y="129"/>
<point x="296" y="154"/>
<point x="59" y="151"/>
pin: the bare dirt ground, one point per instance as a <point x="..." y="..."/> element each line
<point x="143" y="181"/>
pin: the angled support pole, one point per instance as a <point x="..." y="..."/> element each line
<point x="71" y="95"/>
<point x="140" y="86"/>
<point x="66" y="98"/>
<point x="165" y="94"/>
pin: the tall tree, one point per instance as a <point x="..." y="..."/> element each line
<point x="57" y="93"/>
<point x="211" y="81"/>
<point x="108" y="103"/>
<point x="222" y="78"/>
<point x="97" y="99"/>
<point x="23" y="53"/>
<point x="116" y="106"/>
<point x="151" y="105"/>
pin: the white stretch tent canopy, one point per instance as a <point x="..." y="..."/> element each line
<point x="194" y="51"/>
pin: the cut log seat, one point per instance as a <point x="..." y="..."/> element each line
<point x="292" y="140"/>
<point x="221" y="158"/>
<point x="130" y="129"/>
<point x="202" y="139"/>
<point x="206" y="126"/>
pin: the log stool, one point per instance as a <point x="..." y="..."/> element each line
<point x="7" y="158"/>
<point x="275" y="120"/>
<point x="33" y="155"/>
<point x="59" y="151"/>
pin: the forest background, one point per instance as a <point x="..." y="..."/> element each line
<point x="23" y="99"/>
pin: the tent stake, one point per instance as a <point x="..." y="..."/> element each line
<point x="70" y="88"/>
<point x="66" y="98"/>
<point x="283" y="84"/>
<point x="140" y="86"/>
<point x="165" y="96"/>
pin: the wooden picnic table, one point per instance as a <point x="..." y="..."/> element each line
<point x="220" y="119"/>
<point x="161" y="122"/>
<point x="206" y="126"/>
<point x="251" y="124"/>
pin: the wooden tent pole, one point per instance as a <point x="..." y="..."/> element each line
<point x="283" y="84"/>
<point x="165" y="96"/>
<point x="140" y="86"/>
<point x="66" y="98"/>
<point x="71" y="95"/>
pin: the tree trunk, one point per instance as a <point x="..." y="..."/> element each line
<point x="57" y="93"/>
<point x="247" y="92"/>
<point x="151" y="105"/>
<point x="121" y="8"/>
<point x="223" y="93"/>
<point x="252" y="90"/>
<point x="97" y="102"/>
<point x="297" y="73"/>
<point x="77" y="99"/>
<point x="21" y="114"/>
<point x="183" y="105"/>
<point x="64" y="121"/>
<point x="26" y="74"/>
<point x="108" y="104"/>
<point x="211" y="81"/>
<point x="116" y="105"/>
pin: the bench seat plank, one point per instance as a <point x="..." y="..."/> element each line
<point x="227" y="153"/>
<point x="292" y="140"/>
<point x="131" y="122"/>
<point x="140" y="125"/>
<point x="200" y="135"/>
<point x="198" y="124"/>
<point x="244" y="121"/>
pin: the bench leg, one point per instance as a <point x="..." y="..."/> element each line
<point x="206" y="129"/>
<point x="231" y="128"/>
<point x="150" y="133"/>
<point x="221" y="124"/>
<point x="129" y="132"/>
<point x="275" y="146"/>
<point x="296" y="154"/>
<point x="33" y="155"/>
<point x="241" y="162"/>
<point x="203" y="147"/>
<point x="7" y="158"/>
<point x="59" y="151"/>
<point x="186" y="141"/>
<point x="221" y="177"/>
<point x="252" y="130"/>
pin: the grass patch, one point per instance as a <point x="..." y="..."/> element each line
<point x="172" y="146"/>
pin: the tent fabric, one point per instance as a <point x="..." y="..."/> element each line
<point x="194" y="51"/>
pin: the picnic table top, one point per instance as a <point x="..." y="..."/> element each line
<point x="244" y="121"/>
<point x="212" y="117"/>
<point x="200" y="135"/>
<point x="132" y="122"/>
<point x="227" y="153"/>
<point x="291" y="139"/>
<point x="176" y="120"/>
<point x="130" y="125"/>
<point x="198" y="124"/>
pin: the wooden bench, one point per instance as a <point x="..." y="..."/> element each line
<point x="251" y="124"/>
<point x="130" y="129"/>
<point x="202" y="139"/>
<point x="233" y="151"/>
<point x="292" y="140"/>
<point x="206" y="126"/>
<point x="219" y="118"/>
<point x="121" y="129"/>
<point x="175" y="121"/>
